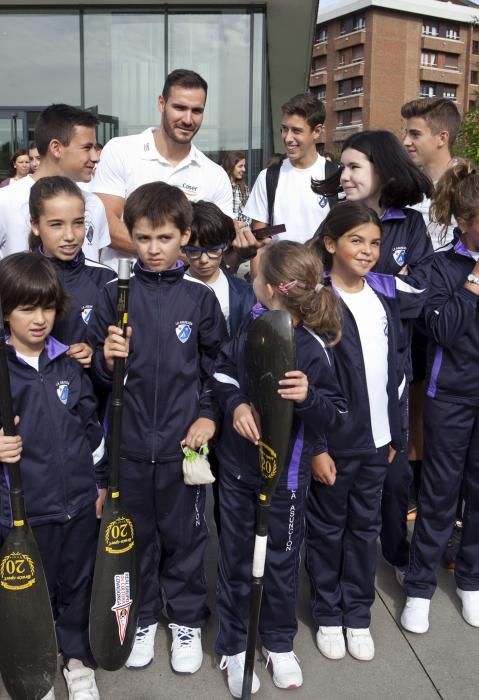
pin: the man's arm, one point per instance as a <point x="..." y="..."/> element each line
<point x="120" y="238"/>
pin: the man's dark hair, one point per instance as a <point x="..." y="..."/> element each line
<point x="158" y="202"/>
<point x="58" y="121"/>
<point x="184" y="78"/>
<point x="210" y="226"/>
<point x="306" y="106"/>
<point x="439" y="113"/>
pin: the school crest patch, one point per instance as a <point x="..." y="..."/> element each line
<point x="183" y="330"/>
<point x="63" y="390"/>
<point x="86" y="313"/>
<point x="399" y="255"/>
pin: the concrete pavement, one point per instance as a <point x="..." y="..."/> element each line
<point x="441" y="664"/>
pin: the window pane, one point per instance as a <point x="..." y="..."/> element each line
<point x="47" y="68"/>
<point x="218" y="47"/>
<point x="125" y="67"/>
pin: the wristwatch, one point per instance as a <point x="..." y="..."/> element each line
<point x="474" y="279"/>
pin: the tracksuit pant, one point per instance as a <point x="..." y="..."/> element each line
<point x="395" y="498"/>
<point x="451" y="452"/>
<point x="171" y="536"/>
<point x="238" y="502"/>
<point x="343" y="522"/>
<point x="68" y="552"/>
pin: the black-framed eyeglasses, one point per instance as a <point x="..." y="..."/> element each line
<point x="194" y="253"/>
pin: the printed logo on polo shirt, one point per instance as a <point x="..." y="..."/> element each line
<point x="322" y="201"/>
<point x="189" y="190"/>
<point x="183" y="330"/>
<point x="86" y="313"/>
<point x="399" y="255"/>
<point x="63" y="390"/>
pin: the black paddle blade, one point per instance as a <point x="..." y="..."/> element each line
<point x="28" y="647"/>
<point x="270" y="353"/>
<point x="114" y="600"/>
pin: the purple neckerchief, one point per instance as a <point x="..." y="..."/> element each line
<point x="257" y="310"/>
<point x="53" y="348"/>
<point x="384" y="284"/>
<point x="459" y="247"/>
<point x="393" y="213"/>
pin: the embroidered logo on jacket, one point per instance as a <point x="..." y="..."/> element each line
<point x="63" y="390"/>
<point x="183" y="330"/>
<point x="399" y="255"/>
<point x="86" y="313"/>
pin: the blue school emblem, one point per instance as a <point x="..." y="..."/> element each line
<point x="183" y="330"/>
<point x="399" y="255"/>
<point x="63" y="389"/>
<point x="86" y="313"/>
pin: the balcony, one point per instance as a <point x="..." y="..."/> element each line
<point x="317" y="78"/>
<point x="320" y="48"/>
<point x="436" y="43"/>
<point x="348" y="102"/>
<point x="344" y="40"/>
<point x="351" y="70"/>
<point x="341" y="133"/>
<point x="440" y="75"/>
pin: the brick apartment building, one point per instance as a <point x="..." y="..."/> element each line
<point x="371" y="56"/>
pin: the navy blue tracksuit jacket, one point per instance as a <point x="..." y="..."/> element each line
<point x="177" y="329"/>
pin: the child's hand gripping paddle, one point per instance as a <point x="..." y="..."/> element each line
<point x="28" y="647"/>
<point x="114" y="601"/>
<point x="270" y="353"/>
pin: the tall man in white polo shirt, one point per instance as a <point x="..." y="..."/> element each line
<point x="65" y="138"/>
<point x="163" y="153"/>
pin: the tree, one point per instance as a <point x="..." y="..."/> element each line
<point x="467" y="143"/>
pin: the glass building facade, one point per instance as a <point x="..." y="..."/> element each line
<point x="114" y="61"/>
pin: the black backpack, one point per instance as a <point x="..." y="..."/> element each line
<point x="272" y="177"/>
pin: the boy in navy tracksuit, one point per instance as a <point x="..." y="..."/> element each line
<point x="59" y="441"/>
<point x="57" y="212"/>
<point x="451" y="408"/>
<point x="176" y="329"/>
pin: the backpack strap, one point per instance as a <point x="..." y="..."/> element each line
<point x="272" y="177"/>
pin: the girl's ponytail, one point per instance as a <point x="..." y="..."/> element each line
<point x="456" y="194"/>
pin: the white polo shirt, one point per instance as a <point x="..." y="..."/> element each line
<point x="295" y="205"/>
<point x="130" y="161"/>
<point x="15" y="220"/>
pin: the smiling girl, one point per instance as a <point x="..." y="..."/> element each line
<point x="57" y="212"/>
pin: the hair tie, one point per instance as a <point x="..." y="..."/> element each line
<point x="284" y="287"/>
<point x="327" y="281"/>
<point x="318" y="287"/>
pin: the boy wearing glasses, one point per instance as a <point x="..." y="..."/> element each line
<point x="175" y="331"/>
<point x="212" y="232"/>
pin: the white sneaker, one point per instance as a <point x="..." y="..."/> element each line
<point x="144" y="647"/>
<point x="286" y="669"/>
<point x="470" y="606"/>
<point x="80" y="681"/>
<point x="415" y="615"/>
<point x="360" y="643"/>
<point x="186" y="651"/>
<point x="330" y="641"/>
<point x="50" y="695"/>
<point x="234" y="666"/>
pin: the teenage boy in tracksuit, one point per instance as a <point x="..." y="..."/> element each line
<point x="176" y="328"/>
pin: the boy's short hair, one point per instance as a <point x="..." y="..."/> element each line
<point x="58" y="121"/>
<point x="210" y="226"/>
<point x="306" y="106"/>
<point x="27" y="279"/>
<point x="187" y="79"/>
<point x="439" y="113"/>
<point x="158" y="202"/>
